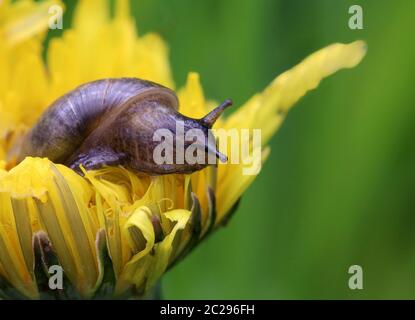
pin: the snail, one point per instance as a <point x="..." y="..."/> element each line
<point x="112" y="122"/>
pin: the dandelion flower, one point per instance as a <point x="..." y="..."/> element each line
<point x="114" y="233"/>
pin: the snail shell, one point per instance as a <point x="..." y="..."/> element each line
<point x="112" y="122"/>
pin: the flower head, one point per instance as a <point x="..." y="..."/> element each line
<point x="112" y="231"/>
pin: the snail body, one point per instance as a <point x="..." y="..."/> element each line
<point x="112" y="122"/>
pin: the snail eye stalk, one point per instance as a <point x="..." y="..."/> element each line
<point x="212" y="116"/>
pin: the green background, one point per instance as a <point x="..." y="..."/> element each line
<point x="338" y="188"/>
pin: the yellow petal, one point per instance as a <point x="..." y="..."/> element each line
<point x="25" y="19"/>
<point x="275" y="101"/>
<point x="67" y="222"/>
<point x="22" y="85"/>
<point x="81" y="55"/>
<point x="23" y="182"/>
<point x="16" y="256"/>
<point x="60" y="197"/>
<point x="267" y="110"/>
<point x="111" y="199"/>
<point x="192" y="99"/>
<point x="140" y="231"/>
<point x="91" y="15"/>
<point x="151" y="57"/>
<point x="163" y="250"/>
<point x="232" y="186"/>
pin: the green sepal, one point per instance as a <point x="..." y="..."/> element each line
<point x="45" y="257"/>
<point x="211" y="211"/>
<point x="108" y="280"/>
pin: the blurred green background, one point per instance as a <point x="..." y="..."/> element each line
<point x="339" y="186"/>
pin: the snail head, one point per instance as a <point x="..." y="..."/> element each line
<point x="208" y="145"/>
